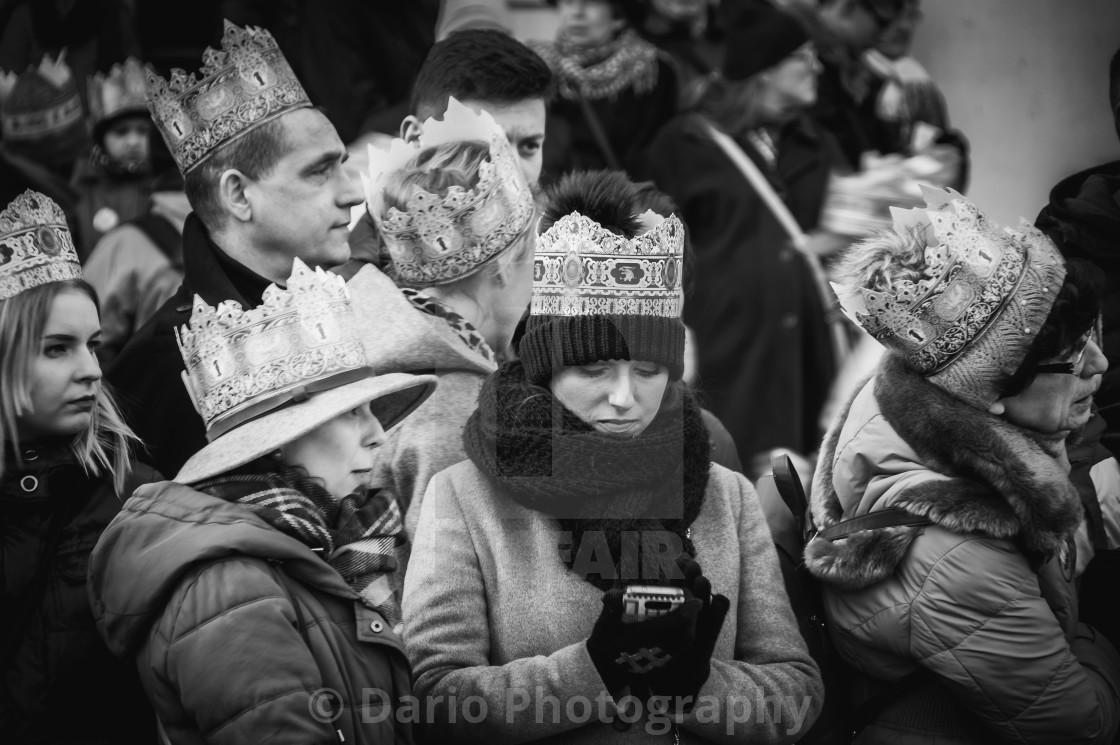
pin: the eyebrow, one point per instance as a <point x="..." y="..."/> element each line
<point x="68" y="337"/>
<point x="326" y="159"/>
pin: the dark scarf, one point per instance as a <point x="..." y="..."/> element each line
<point x="628" y="61"/>
<point x="357" y="535"/>
<point x="548" y="460"/>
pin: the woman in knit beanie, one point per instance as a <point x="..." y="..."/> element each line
<point x="589" y="472"/>
<point x="991" y="365"/>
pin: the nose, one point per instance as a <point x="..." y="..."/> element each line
<point x="89" y="368"/>
<point x="373" y="434"/>
<point x="349" y="194"/>
<point x="621" y="394"/>
<point x="1095" y="361"/>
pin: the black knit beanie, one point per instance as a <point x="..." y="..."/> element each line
<point x="553" y="342"/>
<point x="759" y="36"/>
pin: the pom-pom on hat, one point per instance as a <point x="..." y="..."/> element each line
<point x="759" y="36"/>
<point x="957" y="297"/>
<point x="597" y="294"/>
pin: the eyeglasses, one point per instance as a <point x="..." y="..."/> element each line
<point x="1069" y="368"/>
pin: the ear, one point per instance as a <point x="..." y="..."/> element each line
<point x="411" y="129"/>
<point x="232" y="186"/>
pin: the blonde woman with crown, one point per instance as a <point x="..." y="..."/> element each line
<point x="966" y="617"/>
<point x="589" y="473"/>
<point x="458" y="221"/>
<point x="253" y="591"/>
<point x="65" y="469"/>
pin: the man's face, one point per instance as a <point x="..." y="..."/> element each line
<point x="857" y="23"/>
<point x="302" y="207"/>
<point x="523" y="122"/>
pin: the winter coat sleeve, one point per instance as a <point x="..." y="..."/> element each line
<point x="232" y="684"/>
<point x="1000" y="649"/>
<point x="445" y="603"/>
<point x="772" y="670"/>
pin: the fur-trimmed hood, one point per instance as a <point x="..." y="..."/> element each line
<point x="902" y="442"/>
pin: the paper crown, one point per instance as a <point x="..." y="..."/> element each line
<point x="436" y="239"/>
<point x="40" y="102"/>
<point x="241" y="364"/>
<point x="35" y="245"/>
<point x="123" y="91"/>
<point x="582" y="269"/>
<point x="245" y="84"/>
<point x="970" y="318"/>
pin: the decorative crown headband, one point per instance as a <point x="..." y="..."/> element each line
<point x="122" y="91"/>
<point x="40" y="101"/>
<point x="35" y="245"/>
<point x="436" y="239"/>
<point x="241" y="364"/>
<point x="580" y="268"/>
<point x="970" y="317"/>
<point x="245" y="83"/>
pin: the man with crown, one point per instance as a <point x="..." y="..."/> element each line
<point x="263" y="173"/>
<point x="113" y="184"/>
<point x="992" y="360"/>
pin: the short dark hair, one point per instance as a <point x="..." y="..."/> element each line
<point x="1074" y="312"/>
<point x="254" y="153"/>
<point x="1114" y="89"/>
<point x="480" y="64"/>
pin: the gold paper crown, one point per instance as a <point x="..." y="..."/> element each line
<point x="35" y="245"/>
<point x="244" y="84"/>
<point x="40" y="102"/>
<point x="582" y="269"/>
<point x="968" y="322"/>
<point x="122" y="91"/>
<point x="441" y="239"/>
<point x="241" y="364"/>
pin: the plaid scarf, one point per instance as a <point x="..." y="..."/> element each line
<point x="628" y="61"/>
<point x="461" y="326"/>
<point x="357" y="535"/>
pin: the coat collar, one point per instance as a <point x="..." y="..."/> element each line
<point x="212" y="274"/>
<point x="991" y="479"/>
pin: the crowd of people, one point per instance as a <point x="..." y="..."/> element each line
<point x="464" y="446"/>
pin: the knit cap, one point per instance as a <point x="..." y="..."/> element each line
<point x="759" y="36"/>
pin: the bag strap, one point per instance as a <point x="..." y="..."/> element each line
<point x="598" y="133"/>
<point x="888" y="518"/>
<point x="785" y="218"/>
<point x="790" y="490"/>
<point x="161" y="232"/>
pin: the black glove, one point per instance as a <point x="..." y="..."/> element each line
<point x="686" y="673"/>
<point x="620" y="650"/>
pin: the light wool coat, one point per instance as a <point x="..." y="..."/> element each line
<point x="492" y="612"/>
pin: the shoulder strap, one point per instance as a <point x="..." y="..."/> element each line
<point x="597" y="132"/>
<point x="164" y="235"/>
<point x="888" y="518"/>
<point x="785" y="218"/>
<point x="791" y="490"/>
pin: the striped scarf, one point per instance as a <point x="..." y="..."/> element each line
<point x="357" y="535"/>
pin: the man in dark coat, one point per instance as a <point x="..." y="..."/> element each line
<point x="763" y="344"/>
<point x="272" y="191"/>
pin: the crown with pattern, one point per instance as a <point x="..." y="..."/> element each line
<point x="581" y="269"/>
<point x="245" y="83"/>
<point x="35" y="245"/>
<point x="241" y="364"/>
<point x="40" y="102"/>
<point x="969" y="319"/>
<point x="122" y="91"/>
<point x="437" y="240"/>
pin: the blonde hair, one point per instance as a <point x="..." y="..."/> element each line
<point x="435" y="170"/>
<point x="104" y="447"/>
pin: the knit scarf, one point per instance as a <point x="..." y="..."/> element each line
<point x="357" y="535"/>
<point x="613" y="490"/>
<point x="628" y="61"/>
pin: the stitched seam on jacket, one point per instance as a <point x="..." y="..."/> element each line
<point x="253" y="707"/>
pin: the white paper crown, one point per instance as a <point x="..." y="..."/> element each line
<point x="580" y="268"/>
<point x="241" y="364"/>
<point x="437" y="239"/>
<point x="244" y="84"/>
<point x="35" y="245"/>
<point x="40" y="101"/>
<point x="981" y="287"/>
<point x="121" y="91"/>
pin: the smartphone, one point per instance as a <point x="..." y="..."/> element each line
<point x="640" y="602"/>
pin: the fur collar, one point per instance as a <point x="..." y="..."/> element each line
<point x="1004" y="482"/>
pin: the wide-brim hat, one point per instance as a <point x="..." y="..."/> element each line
<point x="392" y="397"/>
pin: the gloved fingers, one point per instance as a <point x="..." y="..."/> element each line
<point x="702" y="590"/>
<point x="690" y="569"/>
<point x="612" y="602"/>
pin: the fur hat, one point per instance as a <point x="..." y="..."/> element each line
<point x="597" y="294"/>
<point x="958" y="298"/>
